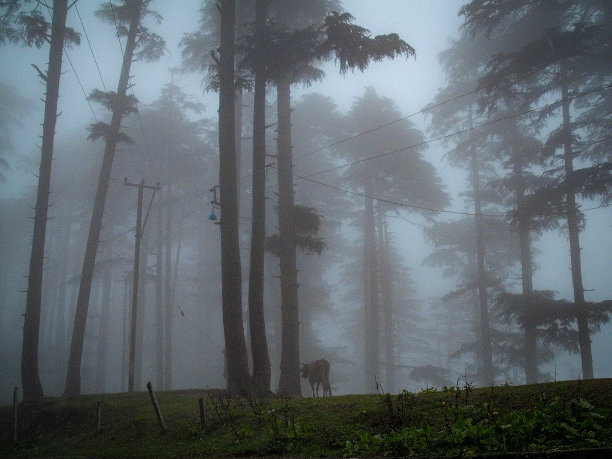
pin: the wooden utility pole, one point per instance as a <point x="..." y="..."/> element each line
<point x="139" y="230"/>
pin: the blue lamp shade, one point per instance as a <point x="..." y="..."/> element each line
<point x="212" y="216"/>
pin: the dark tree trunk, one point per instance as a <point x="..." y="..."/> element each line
<point x="73" y="378"/>
<point x="238" y="378"/>
<point x="371" y="314"/>
<point x="366" y="309"/>
<point x="103" y="331"/>
<point x="159" y="299"/>
<point x="387" y="297"/>
<point x="530" y="351"/>
<point x="289" y="382"/>
<point x="584" y="338"/>
<point x="259" y="344"/>
<point x="60" y="328"/>
<point x="486" y="356"/>
<point x="127" y="295"/>
<point x="168" y="301"/>
<point x="238" y="144"/>
<point x="30" y="379"/>
<point x="486" y="374"/>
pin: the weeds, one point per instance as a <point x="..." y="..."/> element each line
<point x="459" y="420"/>
<point x="473" y="427"/>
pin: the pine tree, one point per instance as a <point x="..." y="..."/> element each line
<point x="564" y="55"/>
<point x="32" y="29"/>
<point x="140" y="44"/>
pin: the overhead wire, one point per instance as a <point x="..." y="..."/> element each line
<point x="131" y="87"/>
<point x="458" y="132"/>
<point x="463" y="131"/>
<point x="413" y="206"/>
<point x="76" y="75"/>
<point x="90" y="47"/>
<point x="446" y="101"/>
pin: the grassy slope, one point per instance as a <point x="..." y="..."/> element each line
<point x="467" y="421"/>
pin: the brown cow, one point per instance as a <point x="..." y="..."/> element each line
<point x="317" y="372"/>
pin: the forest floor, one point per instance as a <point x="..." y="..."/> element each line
<point x="560" y="419"/>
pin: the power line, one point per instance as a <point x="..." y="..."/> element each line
<point x="72" y="67"/>
<point x="461" y="131"/>
<point x="90" y="47"/>
<point x="412" y="206"/>
<point x="144" y="136"/>
<point x="389" y="201"/>
<point x="452" y="99"/>
<point x="80" y="85"/>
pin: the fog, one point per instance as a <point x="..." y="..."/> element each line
<point x="433" y="302"/>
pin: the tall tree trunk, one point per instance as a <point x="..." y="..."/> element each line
<point x="238" y="378"/>
<point x="73" y="378"/>
<point x="257" y="324"/>
<point x="486" y="375"/>
<point x="238" y="144"/>
<point x="530" y="348"/>
<point x="386" y="296"/>
<point x="60" y="328"/>
<point x="289" y="382"/>
<point x="486" y="355"/>
<point x="127" y="295"/>
<point x="366" y="311"/>
<point x="584" y="338"/>
<point x="159" y="299"/>
<point x="168" y="302"/>
<point x="30" y="379"/>
<point x="371" y="317"/>
<point x="103" y="331"/>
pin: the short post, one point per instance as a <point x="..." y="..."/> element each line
<point x="389" y="403"/>
<point x="15" y="396"/>
<point x="99" y="428"/>
<point x="202" y="413"/>
<point x="160" y="418"/>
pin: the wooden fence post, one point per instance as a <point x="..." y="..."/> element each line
<point x="202" y="413"/>
<point x="99" y="428"/>
<point x="15" y="397"/>
<point x="160" y="418"/>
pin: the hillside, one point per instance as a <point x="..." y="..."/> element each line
<point x="466" y="421"/>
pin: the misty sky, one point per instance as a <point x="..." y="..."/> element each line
<point x="428" y="25"/>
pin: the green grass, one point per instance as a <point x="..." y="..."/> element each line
<point x="456" y="421"/>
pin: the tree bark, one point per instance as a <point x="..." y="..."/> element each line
<point x="30" y="379"/>
<point x="168" y="301"/>
<point x="486" y="373"/>
<point x="530" y="349"/>
<point x="103" y="331"/>
<point x="371" y="317"/>
<point x="387" y="298"/>
<point x="159" y="298"/>
<point x="584" y="338"/>
<point x="60" y="328"/>
<point x="257" y="324"/>
<point x="73" y="377"/>
<point x="289" y="382"/>
<point x="238" y="378"/>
